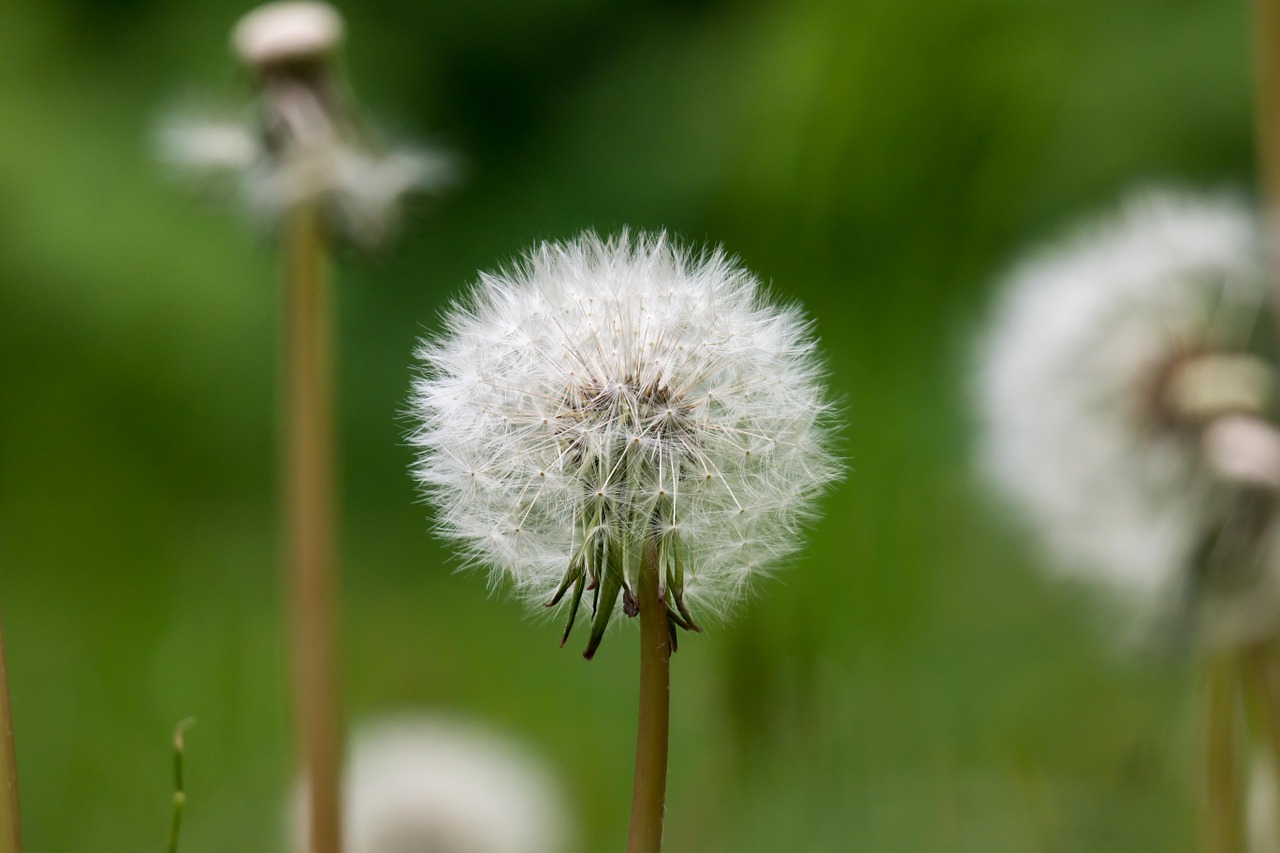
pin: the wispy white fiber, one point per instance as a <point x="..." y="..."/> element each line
<point x="605" y="394"/>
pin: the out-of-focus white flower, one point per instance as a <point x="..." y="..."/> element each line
<point x="420" y="784"/>
<point x="1107" y="359"/>
<point x="606" y="397"/>
<point x="287" y="31"/>
<point x="304" y="147"/>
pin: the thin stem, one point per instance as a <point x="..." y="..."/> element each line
<point x="310" y="513"/>
<point x="1263" y="694"/>
<point x="179" y="788"/>
<point x="10" y="821"/>
<point x="650" y="792"/>
<point x="1267" y="123"/>
<point x="1223" y="832"/>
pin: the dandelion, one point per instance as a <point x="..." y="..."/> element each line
<point x="304" y="146"/>
<point x="1123" y="398"/>
<point x="632" y="421"/>
<point x="425" y="784"/>
<point x="1127" y="399"/>
<point x="304" y="163"/>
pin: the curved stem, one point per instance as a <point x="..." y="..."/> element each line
<point x="10" y="822"/>
<point x="310" y="513"/>
<point x="650" y="792"/>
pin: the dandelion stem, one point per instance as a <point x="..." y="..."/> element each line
<point x="1263" y="694"/>
<point x="1267" y="122"/>
<point x="10" y="823"/>
<point x="310" y="512"/>
<point x="1223" y="832"/>
<point x="649" y="795"/>
<point x="179" y="788"/>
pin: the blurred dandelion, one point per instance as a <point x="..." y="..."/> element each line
<point x="1128" y="394"/>
<point x="1123" y="394"/>
<point x="632" y="420"/>
<point x="305" y="145"/>
<point x="420" y="784"/>
<point x="305" y="164"/>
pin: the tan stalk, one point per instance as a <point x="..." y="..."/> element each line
<point x="310" y="513"/>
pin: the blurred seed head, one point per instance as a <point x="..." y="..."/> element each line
<point x="604" y="397"/>
<point x="1124" y="406"/>
<point x="420" y="784"/>
<point x="304" y="144"/>
<point x="286" y="33"/>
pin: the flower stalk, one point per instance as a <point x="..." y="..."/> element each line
<point x="1267" y="120"/>
<point x="179" y="786"/>
<point x="310" y="510"/>
<point x="650" y="790"/>
<point x="10" y="822"/>
<point x="1221" y="814"/>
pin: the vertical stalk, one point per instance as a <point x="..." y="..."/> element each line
<point x="179" y="787"/>
<point x="310" y="514"/>
<point x="1267" y="126"/>
<point x="10" y="822"/>
<point x="650" y="791"/>
<point x="1222" y="827"/>
<point x="1263" y="703"/>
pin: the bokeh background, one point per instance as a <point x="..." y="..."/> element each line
<point x="912" y="682"/>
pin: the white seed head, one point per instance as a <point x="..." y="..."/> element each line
<point x="304" y="145"/>
<point x="287" y="31"/>
<point x="607" y="395"/>
<point x="421" y="784"/>
<point x="1089" y="425"/>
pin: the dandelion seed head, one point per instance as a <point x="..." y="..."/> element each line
<point x="1087" y="349"/>
<point x="421" y="783"/>
<point x="663" y="396"/>
<point x="303" y="145"/>
<point x="287" y="31"/>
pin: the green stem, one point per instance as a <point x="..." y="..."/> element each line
<point x="1223" y="832"/>
<point x="179" y="788"/>
<point x="1264" y="700"/>
<point x="1266" y="20"/>
<point x="310" y="512"/>
<point x="649" y="795"/>
<point x="10" y="821"/>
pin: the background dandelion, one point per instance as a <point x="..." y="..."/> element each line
<point x="423" y="783"/>
<point x="1106" y="359"/>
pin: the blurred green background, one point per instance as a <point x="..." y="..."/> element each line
<point x="911" y="683"/>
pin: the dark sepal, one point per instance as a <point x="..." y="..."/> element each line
<point x="573" y="607"/>
<point x="571" y="576"/>
<point x="607" y="599"/>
